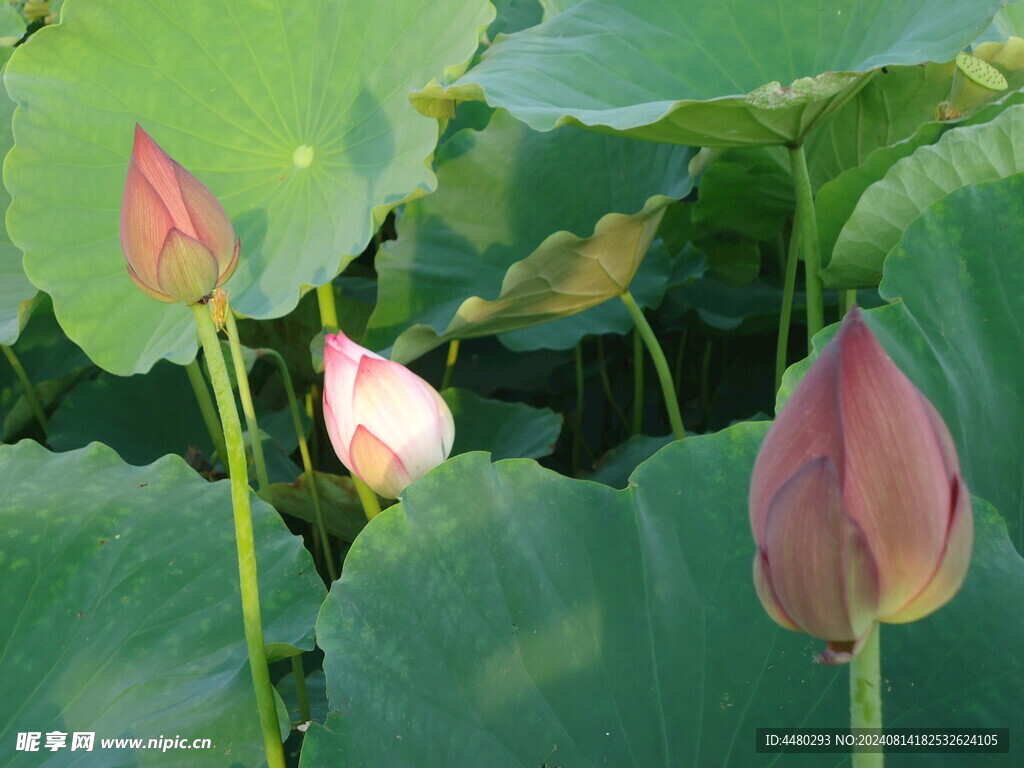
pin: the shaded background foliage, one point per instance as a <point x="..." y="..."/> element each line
<point x="588" y="601"/>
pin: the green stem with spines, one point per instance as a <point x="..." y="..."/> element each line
<point x="328" y="310"/>
<point x="244" y="537"/>
<point x="668" y="389"/>
<point x="26" y="387"/>
<point x="785" y="316"/>
<point x="809" y="242"/>
<point x="301" y="690"/>
<point x="245" y="395"/>
<point x="367" y="497"/>
<point x="449" y="365"/>
<point x="207" y="409"/>
<point x="866" y="695"/>
<point x="307" y="461"/>
<point x="847" y="299"/>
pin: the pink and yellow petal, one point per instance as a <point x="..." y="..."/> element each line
<point x="821" y="568"/>
<point x="186" y="270"/>
<point x="377" y="465"/>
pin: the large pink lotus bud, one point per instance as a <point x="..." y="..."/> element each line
<point x="387" y="425"/>
<point x="858" y="507"/>
<point x="178" y="243"/>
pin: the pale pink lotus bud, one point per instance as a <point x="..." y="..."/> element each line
<point x="387" y="425"/>
<point x="857" y="503"/>
<point x="178" y="243"/>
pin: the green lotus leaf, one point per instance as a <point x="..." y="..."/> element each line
<point x="505" y="430"/>
<point x="339" y="502"/>
<point x="969" y="155"/>
<point x="565" y="623"/>
<point x="16" y="292"/>
<point x="295" y="114"/>
<point x="729" y="73"/>
<point x="141" y="417"/>
<point x="509" y="222"/>
<point x="122" y="610"/>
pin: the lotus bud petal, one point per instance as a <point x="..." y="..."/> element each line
<point x="177" y="241"/>
<point x="857" y="504"/>
<point x="387" y="425"/>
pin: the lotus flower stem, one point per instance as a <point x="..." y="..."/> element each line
<point x="786" y="314"/>
<point x="301" y="691"/>
<point x="207" y="409"/>
<point x="638" y="382"/>
<point x="606" y="385"/>
<point x="244" y="538"/>
<point x="808" y="223"/>
<point x="449" y="365"/>
<point x="367" y="497"/>
<point x="846" y="300"/>
<point x="245" y="395"/>
<point x="27" y="388"/>
<point x="307" y="461"/>
<point x="866" y="696"/>
<point x="328" y="310"/>
<point x="668" y="389"/>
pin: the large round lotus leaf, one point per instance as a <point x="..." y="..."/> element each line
<point x="490" y="229"/>
<point x="958" y="282"/>
<point x="506" y="615"/>
<point x="504" y="430"/>
<point x="141" y="417"/>
<point x="727" y="73"/>
<point x="121" y="608"/>
<point x="971" y="155"/>
<point x="16" y="291"/>
<point x="294" y="113"/>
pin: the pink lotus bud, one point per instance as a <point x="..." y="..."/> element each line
<point x="387" y="425"/>
<point x="858" y="507"/>
<point x="178" y="243"/>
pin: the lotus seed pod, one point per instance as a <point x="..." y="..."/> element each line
<point x="975" y="81"/>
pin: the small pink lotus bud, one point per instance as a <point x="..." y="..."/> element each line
<point x="178" y="243"/>
<point x="857" y="504"/>
<point x="387" y="425"/>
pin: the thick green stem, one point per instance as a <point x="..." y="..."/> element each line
<point x="638" y="382"/>
<point x="328" y="311"/>
<point x="785" y="316"/>
<point x="301" y="691"/>
<point x="866" y="696"/>
<point x="244" y="540"/>
<point x="207" y="409"/>
<point x="847" y="299"/>
<point x="808" y="222"/>
<point x="606" y="385"/>
<point x="307" y="461"/>
<point x="367" y="497"/>
<point x="449" y="365"/>
<point x="26" y="387"/>
<point x="245" y="395"/>
<point x="668" y="389"/>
